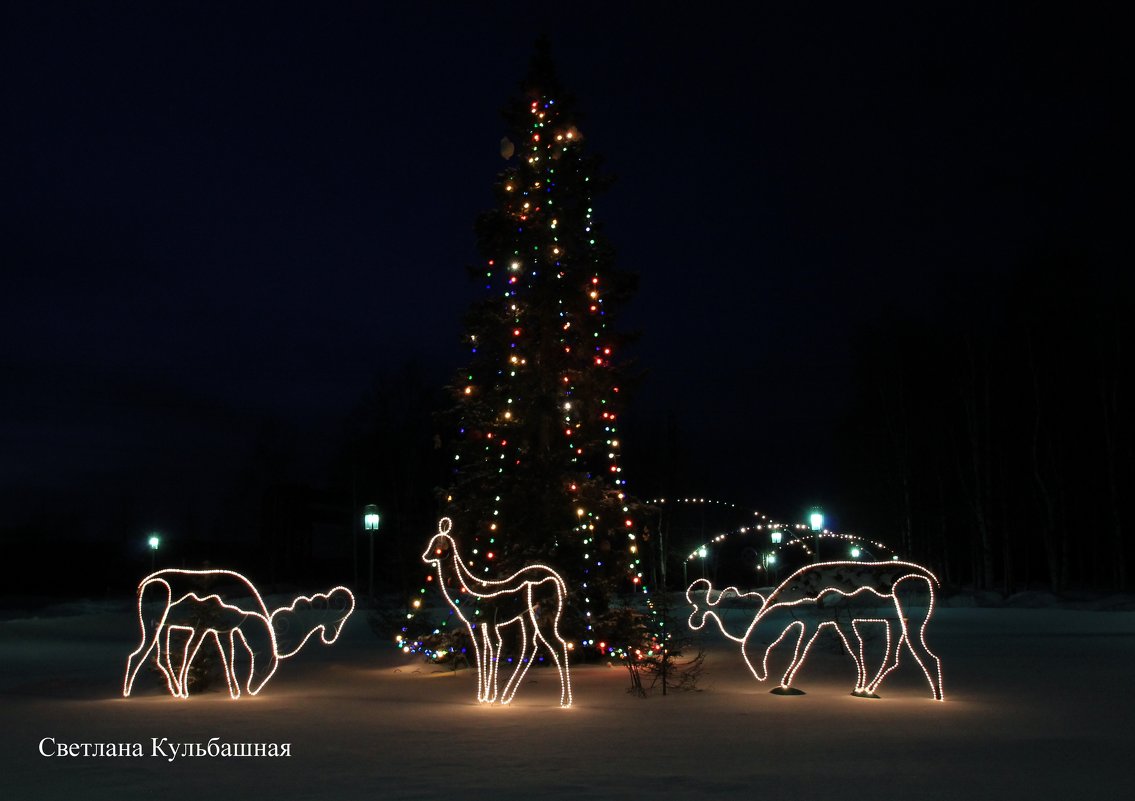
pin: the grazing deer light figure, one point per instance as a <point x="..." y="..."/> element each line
<point x="902" y="583"/>
<point x="514" y="601"/>
<point x="235" y="611"/>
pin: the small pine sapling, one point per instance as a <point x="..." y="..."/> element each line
<point x="661" y="656"/>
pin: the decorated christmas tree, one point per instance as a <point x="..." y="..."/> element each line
<point x="536" y="473"/>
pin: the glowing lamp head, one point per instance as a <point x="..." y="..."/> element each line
<point x="370" y="517"/>
<point x="816" y="520"/>
<point x="702" y="552"/>
<point x="776" y="537"/>
<point x="855" y="553"/>
<point x="154" y="542"/>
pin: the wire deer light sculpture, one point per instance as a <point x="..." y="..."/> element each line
<point x="517" y="601"/>
<point x="223" y="608"/>
<point x="908" y="587"/>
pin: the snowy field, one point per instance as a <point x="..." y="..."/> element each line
<point x="1039" y="704"/>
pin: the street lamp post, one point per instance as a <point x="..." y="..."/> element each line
<point x="770" y="561"/>
<point x="154" y="542"/>
<point x="370" y="523"/>
<point x="776" y="536"/>
<point x="816" y="521"/>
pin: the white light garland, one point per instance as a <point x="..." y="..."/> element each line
<point x="815" y="585"/>
<point x="766" y="523"/>
<point x="526" y="590"/>
<point x="184" y="595"/>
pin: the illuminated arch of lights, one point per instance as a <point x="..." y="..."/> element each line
<point x="825" y="585"/>
<point x="797" y="535"/>
<point x="180" y="600"/>
<point x="519" y="601"/>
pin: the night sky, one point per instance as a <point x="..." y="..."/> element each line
<point x="220" y="222"/>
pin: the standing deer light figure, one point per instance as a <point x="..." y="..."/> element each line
<point x="236" y="612"/>
<point x="514" y="601"/>
<point x="902" y="583"/>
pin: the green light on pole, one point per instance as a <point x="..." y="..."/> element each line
<point x="816" y="521"/>
<point x="855" y="553"/>
<point x="370" y="523"/>
<point x="154" y="542"/>
<point x="776" y="537"/>
<point x="769" y="560"/>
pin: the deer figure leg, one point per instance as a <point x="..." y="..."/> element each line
<point x="488" y="673"/>
<point x="866" y="683"/>
<point x="891" y="655"/>
<point x="866" y="687"/>
<point x="557" y="647"/>
<point x="135" y="661"/>
<point x="227" y="664"/>
<point x="259" y="672"/>
<point x="478" y="659"/>
<point x="245" y="651"/>
<point x="861" y="661"/>
<point x="526" y="653"/>
<point x="808" y="633"/>
<point x="158" y="593"/>
<point x="544" y="634"/>
<point x="762" y="673"/>
<point x="150" y="642"/>
<point x="232" y="675"/>
<point x="164" y="658"/>
<point x="912" y="620"/>
<point x="196" y="639"/>
<point x="913" y="623"/>
<point x="847" y="632"/>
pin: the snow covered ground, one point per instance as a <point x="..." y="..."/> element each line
<point x="1039" y="703"/>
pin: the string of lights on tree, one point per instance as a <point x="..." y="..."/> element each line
<point x="537" y="473"/>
